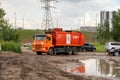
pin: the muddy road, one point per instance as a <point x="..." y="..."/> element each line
<point x="84" y="66"/>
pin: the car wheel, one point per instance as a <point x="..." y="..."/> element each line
<point x="109" y="53"/>
<point x="116" y="54"/>
<point x="84" y="50"/>
<point x="94" y="50"/>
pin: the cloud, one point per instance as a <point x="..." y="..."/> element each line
<point x="33" y="24"/>
<point x="73" y="10"/>
<point x="67" y="12"/>
<point x="8" y="7"/>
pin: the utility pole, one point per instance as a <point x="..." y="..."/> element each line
<point x="23" y="22"/>
<point x="57" y="21"/>
<point x="0" y="4"/>
<point x="15" y="19"/>
<point x="47" y="19"/>
<point x="96" y="20"/>
<point x="84" y="20"/>
<point x="96" y="26"/>
<point x="78" y="23"/>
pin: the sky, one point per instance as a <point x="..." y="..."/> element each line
<point x="67" y="14"/>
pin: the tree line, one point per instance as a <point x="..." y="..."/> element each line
<point x="7" y="33"/>
<point x="105" y="34"/>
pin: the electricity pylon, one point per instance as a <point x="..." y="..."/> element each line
<point x="47" y="19"/>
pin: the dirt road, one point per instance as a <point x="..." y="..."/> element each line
<point x="29" y="66"/>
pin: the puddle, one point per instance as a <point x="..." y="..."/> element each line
<point x="94" y="67"/>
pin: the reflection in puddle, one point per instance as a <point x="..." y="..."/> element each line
<point x="96" y="67"/>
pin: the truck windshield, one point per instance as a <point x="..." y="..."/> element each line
<point x="40" y="37"/>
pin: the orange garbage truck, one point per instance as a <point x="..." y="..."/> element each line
<point x="58" y="41"/>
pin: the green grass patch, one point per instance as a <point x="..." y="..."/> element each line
<point x="11" y="46"/>
<point x="30" y="47"/>
<point x="99" y="47"/>
<point x="28" y="34"/>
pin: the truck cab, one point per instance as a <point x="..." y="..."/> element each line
<point x="42" y="43"/>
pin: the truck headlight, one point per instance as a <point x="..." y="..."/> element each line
<point x="34" y="43"/>
<point x="42" y="43"/>
<point x="43" y="49"/>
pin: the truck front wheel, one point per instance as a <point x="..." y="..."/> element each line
<point x="39" y="53"/>
<point x="51" y="52"/>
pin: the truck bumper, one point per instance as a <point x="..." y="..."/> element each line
<point x="43" y="50"/>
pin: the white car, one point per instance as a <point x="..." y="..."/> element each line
<point x="110" y="46"/>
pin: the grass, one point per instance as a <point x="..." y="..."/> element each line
<point x="99" y="47"/>
<point x="30" y="47"/>
<point x="28" y="34"/>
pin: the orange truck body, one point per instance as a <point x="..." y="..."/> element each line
<point x="68" y="39"/>
<point x="56" y="40"/>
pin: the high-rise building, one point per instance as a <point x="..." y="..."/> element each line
<point x="107" y="16"/>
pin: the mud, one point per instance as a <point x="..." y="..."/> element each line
<point x="29" y="66"/>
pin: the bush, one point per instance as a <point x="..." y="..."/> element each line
<point x="11" y="46"/>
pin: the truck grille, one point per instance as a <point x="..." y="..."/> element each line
<point x="37" y="47"/>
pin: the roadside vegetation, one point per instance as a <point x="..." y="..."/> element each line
<point x="11" y="46"/>
<point x="105" y="34"/>
<point x="99" y="47"/>
<point x="9" y="37"/>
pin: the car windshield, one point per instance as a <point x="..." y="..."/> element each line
<point x="115" y="43"/>
<point x="87" y="44"/>
<point x="40" y="37"/>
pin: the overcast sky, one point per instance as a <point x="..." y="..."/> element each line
<point x="69" y="13"/>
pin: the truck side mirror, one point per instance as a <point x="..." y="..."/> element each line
<point x="48" y="38"/>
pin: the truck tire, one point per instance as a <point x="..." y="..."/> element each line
<point x="51" y="52"/>
<point x="39" y="53"/>
<point x="70" y="52"/>
<point x="75" y="51"/>
<point x="116" y="54"/>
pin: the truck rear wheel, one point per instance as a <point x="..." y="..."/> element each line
<point x="75" y="51"/>
<point x="39" y="53"/>
<point x="70" y="52"/>
<point x="51" y="52"/>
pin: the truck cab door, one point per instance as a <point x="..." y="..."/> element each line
<point x="49" y="41"/>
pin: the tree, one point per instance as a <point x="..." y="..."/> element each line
<point x="103" y="33"/>
<point x="6" y="32"/>
<point x="116" y="26"/>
